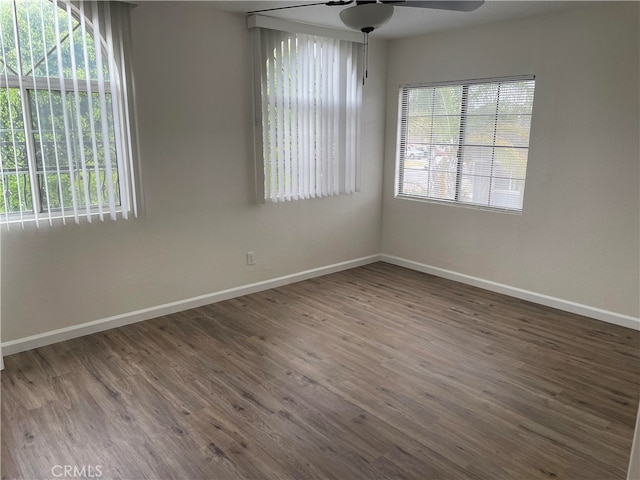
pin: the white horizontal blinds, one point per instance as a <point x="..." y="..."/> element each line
<point x="496" y="143"/>
<point x="466" y="143"/>
<point x="430" y="122"/>
<point x="310" y="99"/>
<point x="64" y="73"/>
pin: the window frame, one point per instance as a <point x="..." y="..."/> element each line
<point x="339" y="175"/>
<point x="402" y="142"/>
<point x="113" y="37"/>
<point x="26" y="87"/>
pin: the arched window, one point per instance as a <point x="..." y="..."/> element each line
<point x="65" y="129"/>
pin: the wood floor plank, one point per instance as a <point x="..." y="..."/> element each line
<point x="378" y="372"/>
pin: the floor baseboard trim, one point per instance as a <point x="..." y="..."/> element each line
<point x="560" y="304"/>
<point x="62" y="334"/>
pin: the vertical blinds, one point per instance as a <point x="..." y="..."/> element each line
<point x="466" y="142"/>
<point x="308" y="110"/>
<point x="66" y="149"/>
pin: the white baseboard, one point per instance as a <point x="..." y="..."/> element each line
<point x="560" y="304"/>
<point x="62" y="334"/>
<point x="54" y="336"/>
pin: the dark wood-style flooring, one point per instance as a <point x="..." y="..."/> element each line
<point x="376" y="372"/>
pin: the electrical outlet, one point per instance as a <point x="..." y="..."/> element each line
<point x="251" y="258"/>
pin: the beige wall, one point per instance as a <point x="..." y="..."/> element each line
<point x="1" y="359"/>
<point x="577" y="238"/>
<point x="194" y="84"/>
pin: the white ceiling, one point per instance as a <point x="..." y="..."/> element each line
<point x="406" y="21"/>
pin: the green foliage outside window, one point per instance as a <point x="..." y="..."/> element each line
<point x="67" y="151"/>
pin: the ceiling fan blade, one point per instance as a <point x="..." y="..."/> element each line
<point x="456" y="5"/>
<point x="292" y="6"/>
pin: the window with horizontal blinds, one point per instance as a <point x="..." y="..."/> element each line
<point x="308" y="99"/>
<point x="66" y="147"/>
<point x="465" y="142"/>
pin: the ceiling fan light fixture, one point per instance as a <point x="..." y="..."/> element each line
<point x="366" y="16"/>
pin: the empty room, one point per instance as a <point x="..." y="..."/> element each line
<point x="320" y="240"/>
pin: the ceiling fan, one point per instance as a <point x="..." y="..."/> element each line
<point x="367" y="15"/>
